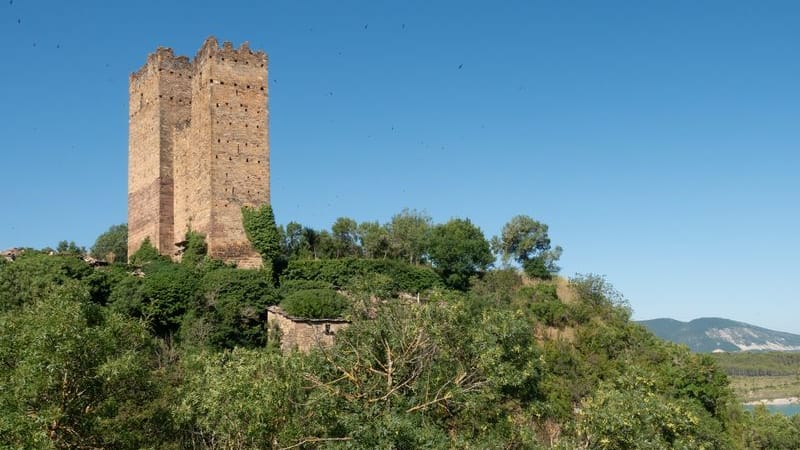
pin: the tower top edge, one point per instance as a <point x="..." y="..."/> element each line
<point x="164" y="57"/>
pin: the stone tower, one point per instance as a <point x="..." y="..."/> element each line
<point x="198" y="149"/>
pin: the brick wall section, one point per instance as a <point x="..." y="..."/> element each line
<point x="199" y="151"/>
<point x="304" y="334"/>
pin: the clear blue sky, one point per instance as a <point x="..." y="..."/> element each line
<point x="659" y="140"/>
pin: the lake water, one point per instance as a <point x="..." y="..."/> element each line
<point x="788" y="410"/>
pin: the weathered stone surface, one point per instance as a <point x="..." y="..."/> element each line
<point x="304" y="334"/>
<point x="199" y="149"/>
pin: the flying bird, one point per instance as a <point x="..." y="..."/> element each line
<point x="366" y="26"/>
<point x="460" y="66"/>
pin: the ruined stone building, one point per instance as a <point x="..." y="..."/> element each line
<point x="198" y="149"/>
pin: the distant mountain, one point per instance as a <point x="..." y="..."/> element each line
<point x="714" y="334"/>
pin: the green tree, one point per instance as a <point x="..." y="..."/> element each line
<point x="113" y="244"/>
<point x="146" y="254"/>
<point x="195" y="251"/>
<point x="70" y="248"/>
<point x="246" y="399"/>
<point x="345" y="237"/>
<point x="771" y="431"/>
<point x="165" y="293"/>
<point x="375" y="239"/>
<point x="458" y="250"/>
<point x="526" y="241"/>
<point x="409" y="232"/>
<point x="261" y="230"/>
<point x="73" y="375"/>
<point x="312" y="239"/>
<point x="33" y="274"/>
<point x="231" y="309"/>
<point x="294" y="241"/>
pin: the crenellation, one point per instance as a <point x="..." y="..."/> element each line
<point x="199" y="163"/>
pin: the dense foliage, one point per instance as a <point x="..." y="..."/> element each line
<point x="113" y="244"/>
<point x="340" y="272"/>
<point x="178" y="355"/>
<point x="315" y="304"/>
<point x="759" y="364"/>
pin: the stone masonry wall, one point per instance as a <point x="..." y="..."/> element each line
<point x="199" y="149"/>
<point x="304" y="334"/>
<point x="159" y="99"/>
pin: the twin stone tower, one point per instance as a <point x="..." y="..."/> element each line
<point x="198" y="149"/>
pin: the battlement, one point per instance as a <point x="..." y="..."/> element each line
<point x="163" y="59"/>
<point x="211" y="51"/>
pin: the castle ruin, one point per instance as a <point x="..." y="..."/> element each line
<point x="198" y="149"/>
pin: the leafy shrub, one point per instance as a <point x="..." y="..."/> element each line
<point x="146" y="254"/>
<point x="289" y="286"/>
<point x="498" y="284"/>
<point x="772" y="431"/>
<point x="166" y="292"/>
<point x="113" y="244"/>
<point x="233" y="304"/>
<point x="543" y="302"/>
<point x="33" y="274"/>
<point x="340" y="272"/>
<point x="196" y="249"/>
<point x="315" y="304"/>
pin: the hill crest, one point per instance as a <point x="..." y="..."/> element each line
<point x="712" y="334"/>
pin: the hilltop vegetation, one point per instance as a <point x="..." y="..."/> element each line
<point x="176" y="355"/>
